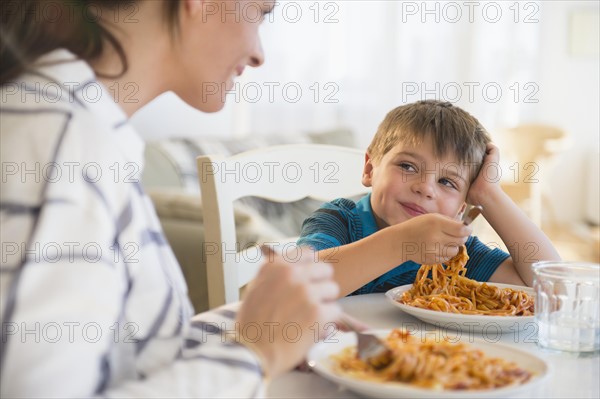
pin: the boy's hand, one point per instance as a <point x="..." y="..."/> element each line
<point x="488" y="179"/>
<point x="431" y="238"/>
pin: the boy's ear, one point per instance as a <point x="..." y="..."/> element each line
<point x="367" y="171"/>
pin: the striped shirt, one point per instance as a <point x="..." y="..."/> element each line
<point x="93" y="302"/>
<point x="343" y="221"/>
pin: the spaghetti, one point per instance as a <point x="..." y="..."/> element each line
<point x="448" y="290"/>
<point x="433" y="364"/>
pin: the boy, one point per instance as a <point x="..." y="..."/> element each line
<point x="426" y="161"/>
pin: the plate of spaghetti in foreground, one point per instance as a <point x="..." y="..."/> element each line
<point x="468" y="322"/>
<point x="429" y="368"/>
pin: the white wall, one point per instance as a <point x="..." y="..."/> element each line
<point x="168" y="116"/>
<point x="569" y="98"/>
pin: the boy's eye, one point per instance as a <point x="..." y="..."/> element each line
<point x="448" y="183"/>
<point x="407" y="167"/>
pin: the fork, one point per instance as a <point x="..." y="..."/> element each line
<point x="471" y="214"/>
<point x="371" y="349"/>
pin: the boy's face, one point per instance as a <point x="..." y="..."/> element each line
<point x="410" y="181"/>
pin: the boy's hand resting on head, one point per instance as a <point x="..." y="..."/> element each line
<point x="287" y="303"/>
<point x="488" y="179"/>
<point x="431" y="238"/>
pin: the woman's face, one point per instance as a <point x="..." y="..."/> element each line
<point x="217" y="40"/>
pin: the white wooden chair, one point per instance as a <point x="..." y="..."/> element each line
<point x="533" y="147"/>
<point x="283" y="173"/>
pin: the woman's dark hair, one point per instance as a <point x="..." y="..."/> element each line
<point x="32" y="28"/>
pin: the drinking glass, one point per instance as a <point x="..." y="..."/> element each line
<point x="567" y="306"/>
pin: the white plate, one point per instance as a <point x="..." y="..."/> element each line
<point x="466" y="322"/>
<point x="320" y="361"/>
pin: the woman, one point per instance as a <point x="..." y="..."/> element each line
<point x="93" y="301"/>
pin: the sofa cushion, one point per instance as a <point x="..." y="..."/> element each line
<point x="251" y="227"/>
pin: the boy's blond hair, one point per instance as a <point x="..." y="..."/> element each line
<point x="451" y="129"/>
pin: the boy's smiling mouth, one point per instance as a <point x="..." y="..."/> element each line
<point x="413" y="209"/>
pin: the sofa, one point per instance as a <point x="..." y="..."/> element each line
<point x="170" y="178"/>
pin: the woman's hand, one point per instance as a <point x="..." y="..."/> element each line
<point x="431" y="238"/>
<point x="286" y="308"/>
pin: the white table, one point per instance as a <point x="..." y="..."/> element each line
<point x="570" y="376"/>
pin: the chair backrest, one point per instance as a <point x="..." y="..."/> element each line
<point x="534" y="142"/>
<point x="283" y="173"/>
<point x="532" y="147"/>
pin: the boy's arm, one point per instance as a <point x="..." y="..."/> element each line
<point x="507" y="274"/>
<point x="357" y="263"/>
<point x="428" y="239"/>
<point x="526" y="243"/>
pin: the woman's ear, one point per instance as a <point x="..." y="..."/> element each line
<point x="367" y="174"/>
